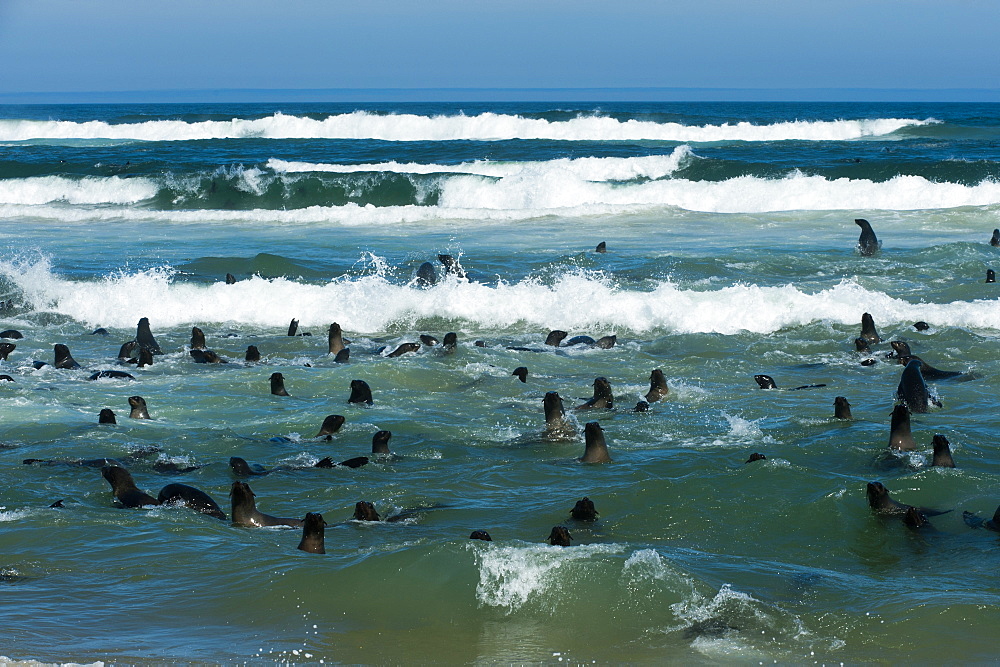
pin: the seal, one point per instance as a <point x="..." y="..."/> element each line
<point x="899" y="430"/>
<point x="606" y="342"/>
<point x="114" y="375"/>
<point x="991" y="276"/>
<point x="596" y="449"/>
<point x="6" y="378"/>
<point x="84" y="463"/>
<point x="555" y="337"/>
<point x="480" y="535"/>
<point x="584" y="510"/>
<point x="6" y="349"/>
<point x="360" y="392"/>
<point x="602" y="247"/>
<point x="293" y="326"/>
<point x="657" y="386"/>
<point x="912" y="389"/>
<point x="144" y="337"/>
<point x="995" y="240"/>
<point x="365" y="511"/>
<point x="841" y="408"/>
<point x="331" y="424"/>
<point x="138" y="405"/>
<point x="556" y="424"/>
<point x="126" y="350"/>
<point x="580" y="340"/>
<point x="245" y="512"/>
<point x="450" y="342"/>
<point x="921" y="326"/>
<point x="428" y="340"/>
<point x="641" y="406"/>
<point x="942" y="452"/>
<point x="206" y="357"/>
<point x="756" y="456"/>
<point x="99" y="331"/>
<point x="253" y="354"/>
<point x="868" y="331"/>
<point x="914" y="519"/>
<point x="765" y="381"/>
<point x="312" y="534"/>
<point x="559" y="537"/>
<point x="335" y="339"/>
<point x="451" y="266"/>
<point x="426" y="275"/>
<point x="880" y="501"/>
<point x="603" y="398"/>
<point x="12" y="334"/>
<point x="868" y="244"/>
<point x="328" y="462"/>
<point x="931" y="373"/>
<point x="124" y="488"/>
<point x="107" y="416"/>
<point x="197" y="339"/>
<point x="241" y="468"/>
<point x="380" y="442"/>
<point x="63" y="358"/>
<point x="230" y="279"/>
<point x="521" y="373"/>
<point x="343" y="357"/>
<point x="278" y="385"/>
<point x="196" y="499"/>
<point x="404" y="348"/>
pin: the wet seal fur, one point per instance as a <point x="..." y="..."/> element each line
<point x="767" y="382"/>
<point x="331" y="424"/>
<point x="596" y="449"/>
<point x="942" y="452"/>
<point x="360" y="392"/>
<point x="6" y="349"/>
<point x="584" y="510"/>
<point x="312" y="540"/>
<point x="912" y="389"/>
<point x="138" y="405"/>
<point x="899" y="430"/>
<point x="841" y="408"/>
<point x="657" y="386"/>
<point x="868" y="243"/>
<point x="868" y="331"/>
<point x="559" y="537"/>
<point x="335" y="339"/>
<point x="145" y="338"/>
<point x="63" y="358"/>
<point x="880" y="501"/>
<point x="556" y="423"/>
<point x="194" y="498"/>
<point x="278" y="385"/>
<point x="124" y="488"/>
<point x="245" y="512"/>
<point x="974" y="521"/>
<point x="603" y="397"/>
<point x="106" y="416"/>
<point x="480" y="535"/>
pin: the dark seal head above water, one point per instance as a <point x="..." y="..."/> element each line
<point x="124" y="488"/>
<point x="278" y="385"/>
<point x="138" y="405"/>
<point x="603" y="397"/>
<point x="521" y="373"/>
<point x="197" y="339"/>
<point x="253" y="354"/>
<point x="144" y="337"/>
<point x="313" y="527"/>
<point x="6" y="349"/>
<point x="596" y="449"/>
<point x="899" y="430"/>
<point x="365" y="511"/>
<point x="559" y="537"/>
<point x="404" y="348"/>
<point x="360" y="392"/>
<point x="912" y="389"/>
<point x="868" y="244"/>
<point x="991" y="276"/>
<point x="584" y="510"/>
<point x="63" y="359"/>
<point x="245" y="512"/>
<point x="426" y="275"/>
<point x="657" y="386"/>
<point x="380" y="442"/>
<point x="194" y="498"/>
<point x="556" y="423"/>
<point x="450" y="342"/>
<point x="841" y="408"/>
<point x="555" y="337"/>
<point x="331" y="424"/>
<point x="480" y="535"/>
<point x="335" y="339"/>
<point x="995" y="240"/>
<point x="868" y="331"/>
<point x="942" y="452"/>
<point x="107" y="416"/>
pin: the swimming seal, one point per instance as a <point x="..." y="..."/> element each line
<point x="914" y="519"/>
<point x="6" y="349"/>
<point x="124" y="488"/>
<point x="602" y="247"/>
<point x="929" y="372"/>
<point x="912" y="389"/>
<point x="115" y="375"/>
<point x="293" y="326"/>
<point x="365" y="511"/>
<point x="335" y="339"/>
<point x="403" y="349"/>
<point x="559" y="537"/>
<point x="555" y="337"/>
<point x="976" y="522"/>
<point x="767" y="382"/>
<point x="657" y="386"/>
<point x="197" y="339"/>
<point x="921" y="326"/>
<point x="138" y="405"/>
<point x="641" y="406"/>
<point x="63" y="358"/>
<point x="995" y="241"/>
<point x="756" y="456"/>
<point x="426" y="275"/>
<point x="144" y="337"/>
<point x="99" y="331"/>
<point x="126" y="350"/>
<point x="480" y="535"/>
<point x="230" y="279"/>
<point x="6" y="378"/>
<point x="868" y="244"/>
<point x="991" y="276"/>
<point x="451" y="265"/>
<point x="596" y="450"/>
<point x="278" y="385"/>
<point x="580" y="340"/>
<point x="253" y="354"/>
<point x="603" y="398"/>
<point x="241" y="468"/>
<point x="13" y="334"/>
<point x="841" y="408"/>
<point x="450" y="342"/>
<point x="328" y="462"/>
<point x="899" y="430"/>
<point x="245" y="512"/>
<point x="312" y="534"/>
<point x="194" y="498"/>
<point x="360" y="392"/>
<point x="556" y="423"/>
<point x="521" y="373"/>
<point x="879" y="500"/>
<point x="428" y="340"/>
<point x="942" y="452"/>
<point x="331" y="424"/>
<point x="584" y="510"/>
<point x="380" y="442"/>
<point x="107" y="416"/>
<point x="868" y="331"/>
<point x="343" y="357"/>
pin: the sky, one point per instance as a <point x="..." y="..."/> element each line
<point x="65" y="46"/>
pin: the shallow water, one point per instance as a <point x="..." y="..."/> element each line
<point x="725" y="259"/>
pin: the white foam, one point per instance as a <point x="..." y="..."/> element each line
<point x="483" y="127"/>
<point x="579" y="300"/>
<point x="89" y="190"/>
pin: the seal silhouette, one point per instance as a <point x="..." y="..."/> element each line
<point x="335" y="339"/>
<point x="584" y="510"/>
<point x="603" y="397"/>
<point x="841" y="408"/>
<point x="331" y="424"/>
<point x="942" y="452"/>
<point x="360" y="392"/>
<point x="596" y="449"/>
<point x="124" y="488"/>
<point x="912" y="389"/>
<point x="245" y="512"/>
<point x="521" y="373"/>
<point x="63" y="359"/>
<point x="657" y="386"/>
<point x="556" y="423"/>
<point x="145" y="338"/>
<point x="380" y="442"/>
<point x="253" y="354"/>
<point x="559" y="537"/>
<point x="868" y="330"/>
<point x="868" y="243"/>
<point x="194" y="498"/>
<point x="899" y="430"/>
<point x="312" y="534"/>
<point x="138" y="405"/>
<point x="6" y="349"/>
<point x="197" y="339"/>
<point x="106" y="416"/>
<point x="278" y="385"/>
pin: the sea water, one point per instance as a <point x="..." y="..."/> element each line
<point x="731" y="251"/>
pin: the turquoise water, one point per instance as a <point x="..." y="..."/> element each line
<point x="730" y="252"/>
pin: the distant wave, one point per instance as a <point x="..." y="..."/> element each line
<point x="483" y="127"/>
<point x="579" y="300"/>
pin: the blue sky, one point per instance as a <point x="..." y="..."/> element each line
<point x="136" y="45"/>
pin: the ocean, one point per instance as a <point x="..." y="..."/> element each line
<point x="731" y="251"/>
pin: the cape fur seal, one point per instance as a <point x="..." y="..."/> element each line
<point x="977" y="522"/>
<point x="138" y="405"/>
<point x="206" y="357"/>
<point x="328" y="462"/>
<point x="107" y="416"/>
<point x="995" y="240"/>
<point x="241" y="468"/>
<point x="6" y="349"/>
<point x="841" y="408"/>
<point x="521" y="373"/>
<point x="335" y="339"/>
<point x="360" y="392"/>
<point x="365" y="511"/>
<point x="428" y="340"/>
<point x="113" y="375"/>
<point x="450" y="342"/>
<point x="144" y="337"/>
<point x="555" y="337"/>
<point x="278" y="385"/>
<point x="380" y="442"/>
<point x="756" y="456"/>
<point x="253" y="354"/>
<point x="245" y="512"/>
<point x="194" y="498"/>
<point x="596" y="449"/>
<point x="559" y="537"/>
<point x="912" y="389"/>
<point x="603" y="397"/>
<point x="13" y="334"/>
<point x="331" y="424"/>
<point x="942" y="452"/>
<point x="293" y="327"/>
<point x="480" y="535"/>
<point x="426" y="275"/>
<point x="312" y="534"/>
<point x="556" y="422"/>
<point x="6" y="378"/>
<point x="880" y="501"/>
<point x="127" y="349"/>
<point x="403" y="348"/>
<point x="899" y="430"/>
<point x="124" y="488"/>
<point x="991" y="276"/>
<point x="868" y="244"/>
<point x="584" y="510"/>
<point x="343" y="357"/>
<point x="63" y="358"/>
<point x="868" y="331"/>
<point x="657" y="386"/>
<point x="451" y="266"/>
<point x="602" y="247"/>
<point x="767" y="382"/>
<point x="197" y="339"/>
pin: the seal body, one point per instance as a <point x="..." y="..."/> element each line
<point x="365" y="511"/>
<point x="868" y="243"/>
<point x="107" y="416"/>
<point x="245" y="512"/>
<point x="63" y="358"/>
<point x="657" y="386"/>
<point x="603" y="397"/>
<point x="765" y="381"/>
<point x="13" y="334"/>
<point x="555" y="416"/>
<point x="380" y="442"/>
<point x="115" y="375"/>
<point x="278" y="385"/>
<point x="555" y="337"/>
<point x="899" y="430"/>
<point x="241" y="468"/>
<point x="596" y="449"/>
<point x="293" y="327"/>
<point x="124" y="488"/>
<point x="584" y="510"/>
<point x="6" y="349"/>
<point x="312" y="534"/>
<point x="331" y="424"/>
<point x="335" y="339"/>
<point x="995" y="240"/>
<point x="480" y="535"/>
<point x="145" y="338"/>
<point x="841" y="408"/>
<point x="942" y="452"/>
<point x="559" y="537"/>
<point x="138" y="405"/>
<point x="404" y="348"/>
<point x="521" y="373"/>
<point x="194" y="498"/>
<point x="450" y="342"/>
<point x="253" y="354"/>
<point x="197" y="339"/>
<point x="868" y="331"/>
<point x="912" y="389"/>
<point x="426" y="275"/>
<point x="360" y="392"/>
